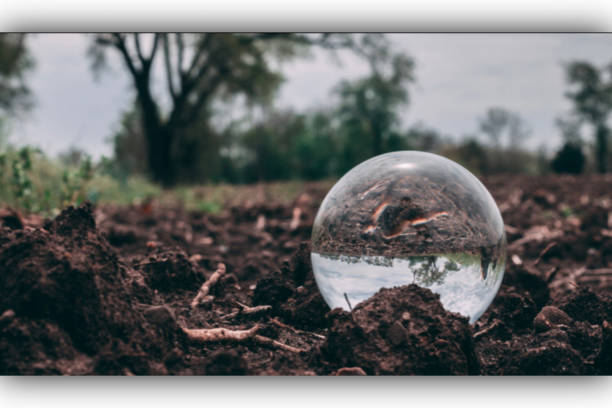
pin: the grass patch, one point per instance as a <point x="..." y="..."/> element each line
<point x="32" y="183"/>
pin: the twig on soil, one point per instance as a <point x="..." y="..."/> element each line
<point x="596" y="278"/>
<point x="550" y="274"/>
<point x="222" y="334"/>
<point x="537" y="233"/>
<point x="544" y="251"/>
<point x="272" y="342"/>
<point x="486" y="330"/>
<point x="510" y="229"/>
<point x="295" y="220"/>
<point x="293" y="329"/>
<point x="202" y="296"/>
<point x="247" y="310"/>
<point x="348" y="302"/>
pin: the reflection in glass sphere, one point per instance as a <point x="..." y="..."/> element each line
<point x="409" y="217"/>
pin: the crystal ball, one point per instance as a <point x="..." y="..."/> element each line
<point x="409" y="217"/>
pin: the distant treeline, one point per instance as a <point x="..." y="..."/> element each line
<point x="326" y="144"/>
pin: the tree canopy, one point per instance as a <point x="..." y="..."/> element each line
<point x="15" y="62"/>
<point x="200" y="69"/>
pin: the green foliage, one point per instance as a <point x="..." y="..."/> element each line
<point x="569" y="159"/>
<point x="21" y="182"/>
<point x="129" y="144"/>
<point x="16" y="168"/>
<point x="368" y="110"/>
<point x="326" y="143"/>
<point x="33" y="183"/>
<point x="567" y="212"/>
<point x="592" y="93"/>
<point x="74" y="183"/>
<point x="15" y="62"/>
<point x="15" y="98"/>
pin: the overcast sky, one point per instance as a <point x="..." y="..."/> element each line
<point x="458" y="76"/>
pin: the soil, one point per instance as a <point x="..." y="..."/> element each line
<point x="108" y="290"/>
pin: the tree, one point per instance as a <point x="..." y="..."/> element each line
<point x="368" y="109"/>
<point x="499" y="122"/>
<point x="569" y="159"/>
<point x="592" y="99"/>
<point x="15" y="62"/>
<point x="200" y="69"/>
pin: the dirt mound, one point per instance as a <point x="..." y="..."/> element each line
<point x="293" y="292"/>
<point x="403" y="331"/>
<point x="65" y="285"/>
<point x="170" y="269"/>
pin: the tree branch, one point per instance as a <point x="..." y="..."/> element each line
<point x="141" y="57"/>
<point x="119" y="43"/>
<point x="168" y="64"/>
<point x="199" y="53"/>
<point x="153" y="48"/>
<point x="144" y="61"/>
<point x="202" y="295"/>
<point x="180" y="46"/>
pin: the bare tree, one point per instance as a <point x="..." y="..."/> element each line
<point x="499" y="122"/>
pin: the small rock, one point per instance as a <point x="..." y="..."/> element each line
<point x="550" y="317"/>
<point x="160" y="316"/>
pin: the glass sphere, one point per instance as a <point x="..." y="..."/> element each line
<point x="409" y="217"/>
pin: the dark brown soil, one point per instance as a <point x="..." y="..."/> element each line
<point x="106" y="291"/>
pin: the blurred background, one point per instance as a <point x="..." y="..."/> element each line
<point x="126" y="117"/>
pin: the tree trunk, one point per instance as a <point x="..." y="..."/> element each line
<point x="601" y="147"/>
<point x="160" y="158"/>
<point x="159" y="136"/>
<point x="377" y="142"/>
